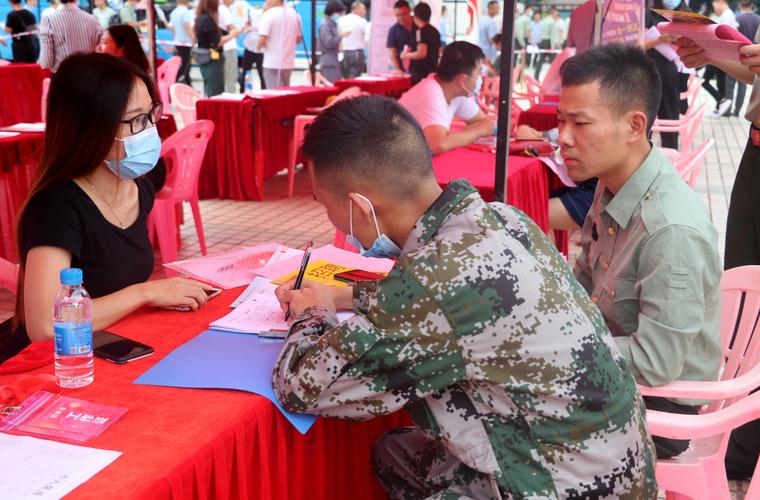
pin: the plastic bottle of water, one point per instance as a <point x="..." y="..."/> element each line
<point x="248" y="83"/>
<point x="72" y="315"/>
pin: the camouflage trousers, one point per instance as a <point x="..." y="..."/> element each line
<point x="412" y="466"/>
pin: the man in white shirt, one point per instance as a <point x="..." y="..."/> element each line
<point x="230" y="48"/>
<point x="68" y="30"/>
<point x="51" y="8"/>
<point x="353" y="27"/>
<point x="450" y="92"/>
<point x="279" y="33"/>
<point x="181" y="23"/>
<point x="252" y="54"/>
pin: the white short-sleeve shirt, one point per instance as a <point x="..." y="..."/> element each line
<point x="225" y="22"/>
<point x="281" y="26"/>
<point x="357" y="26"/>
<point x="426" y="102"/>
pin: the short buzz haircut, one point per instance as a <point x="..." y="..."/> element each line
<point x="747" y="4"/>
<point x="401" y="4"/>
<point x="423" y="12"/>
<point x="458" y="58"/>
<point x="15" y="2"/>
<point x="368" y="143"/>
<point x="493" y="2"/>
<point x="357" y="4"/>
<point x="628" y="79"/>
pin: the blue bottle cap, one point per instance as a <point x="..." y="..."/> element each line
<point x="71" y="276"/>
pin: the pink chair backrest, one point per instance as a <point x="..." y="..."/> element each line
<point x="43" y="102"/>
<point x="183" y="153"/>
<point x="184" y="98"/>
<point x="489" y="93"/>
<point x="552" y="82"/>
<point x="740" y="333"/>
<point x="167" y="75"/>
<point x="690" y="163"/>
<point x="8" y="275"/>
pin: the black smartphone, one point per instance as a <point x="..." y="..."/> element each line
<point x="118" y="349"/>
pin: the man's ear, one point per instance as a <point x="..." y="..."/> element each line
<point x="362" y="209"/>
<point x="637" y="125"/>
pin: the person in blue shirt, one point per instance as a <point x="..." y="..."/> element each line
<point x="181" y="24"/>
<point x="401" y="35"/>
<point x="487" y="29"/>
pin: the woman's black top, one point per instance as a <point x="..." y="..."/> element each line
<point x="207" y="32"/>
<point x="110" y="258"/>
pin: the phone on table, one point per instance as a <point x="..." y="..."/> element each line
<point x="210" y="294"/>
<point x="118" y="349"/>
<point x="355" y="275"/>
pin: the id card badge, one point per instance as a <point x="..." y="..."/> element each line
<point x="755" y="135"/>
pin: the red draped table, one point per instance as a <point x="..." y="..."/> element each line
<point x="542" y="116"/>
<point x="527" y="179"/>
<point x="19" y="157"/>
<point x="392" y="86"/>
<point x="251" y="141"/>
<point x="21" y="93"/>
<point x="218" y="444"/>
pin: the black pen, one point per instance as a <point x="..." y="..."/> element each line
<point x="301" y="272"/>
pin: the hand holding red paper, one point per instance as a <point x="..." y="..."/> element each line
<point x="750" y="56"/>
<point x="720" y="42"/>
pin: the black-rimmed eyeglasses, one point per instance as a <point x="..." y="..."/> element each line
<point x="138" y="123"/>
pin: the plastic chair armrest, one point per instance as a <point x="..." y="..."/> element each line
<point x="722" y="389"/>
<point x="704" y="425"/>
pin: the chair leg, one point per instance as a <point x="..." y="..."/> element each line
<point x="292" y="162"/>
<point x="198" y="224"/>
<point x="164" y="220"/>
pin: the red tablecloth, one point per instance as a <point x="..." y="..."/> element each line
<point x="21" y="93"/>
<point x="540" y="117"/>
<point x="527" y="179"/>
<point x="251" y="140"/>
<point x="19" y="158"/>
<point x="217" y="444"/>
<point x="392" y="86"/>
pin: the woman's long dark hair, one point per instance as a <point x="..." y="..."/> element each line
<point x="208" y="7"/>
<point x="86" y="102"/>
<point x="126" y="39"/>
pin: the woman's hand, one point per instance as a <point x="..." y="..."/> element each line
<point x="691" y="54"/>
<point x="749" y="56"/>
<point x="526" y="132"/>
<point x="174" y="292"/>
<point x="310" y="294"/>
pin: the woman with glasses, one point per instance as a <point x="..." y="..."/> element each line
<point x="89" y="205"/>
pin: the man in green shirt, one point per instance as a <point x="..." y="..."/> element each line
<point x="649" y="255"/>
<point x="522" y="29"/>
<point x="480" y="331"/>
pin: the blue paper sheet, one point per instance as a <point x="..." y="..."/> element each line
<point x="219" y="360"/>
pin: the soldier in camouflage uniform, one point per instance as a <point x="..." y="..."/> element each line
<point x="480" y="331"/>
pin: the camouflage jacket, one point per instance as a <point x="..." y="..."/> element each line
<point x="483" y="334"/>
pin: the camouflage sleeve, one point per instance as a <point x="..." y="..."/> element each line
<point x="400" y="349"/>
<point x="363" y="290"/>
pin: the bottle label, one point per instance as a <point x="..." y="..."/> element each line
<point x="73" y="338"/>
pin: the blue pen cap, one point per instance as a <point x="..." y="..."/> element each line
<point x="71" y="276"/>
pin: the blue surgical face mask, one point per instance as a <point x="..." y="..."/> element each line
<point x="142" y="152"/>
<point x="382" y="248"/>
<point x="476" y="91"/>
<point x="671" y="4"/>
<point x="335" y="17"/>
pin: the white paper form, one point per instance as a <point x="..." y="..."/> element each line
<point x="39" y="469"/>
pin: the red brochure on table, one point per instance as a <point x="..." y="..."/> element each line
<point x="52" y="415"/>
<point x="721" y="41"/>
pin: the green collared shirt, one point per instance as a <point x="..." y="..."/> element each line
<point x="650" y="262"/>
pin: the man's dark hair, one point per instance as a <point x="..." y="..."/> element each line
<point x="15" y="2"/>
<point x="400" y="4"/>
<point x="628" y="79"/>
<point x="423" y="11"/>
<point x="459" y="57"/>
<point x="67" y="1"/>
<point x="371" y="143"/>
<point x="496" y="38"/>
<point x="493" y="2"/>
<point x="747" y="4"/>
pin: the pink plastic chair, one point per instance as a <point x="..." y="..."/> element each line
<point x="690" y="164"/>
<point x="184" y="98"/>
<point x="183" y="153"/>
<point x="686" y="127"/>
<point x="4" y="62"/>
<point x="340" y="242"/>
<point x="552" y="83"/>
<point x="699" y="472"/>
<point x="8" y="275"/>
<point x="532" y="93"/>
<point x="300" y="124"/>
<point x="167" y="76"/>
<point x="43" y="101"/>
